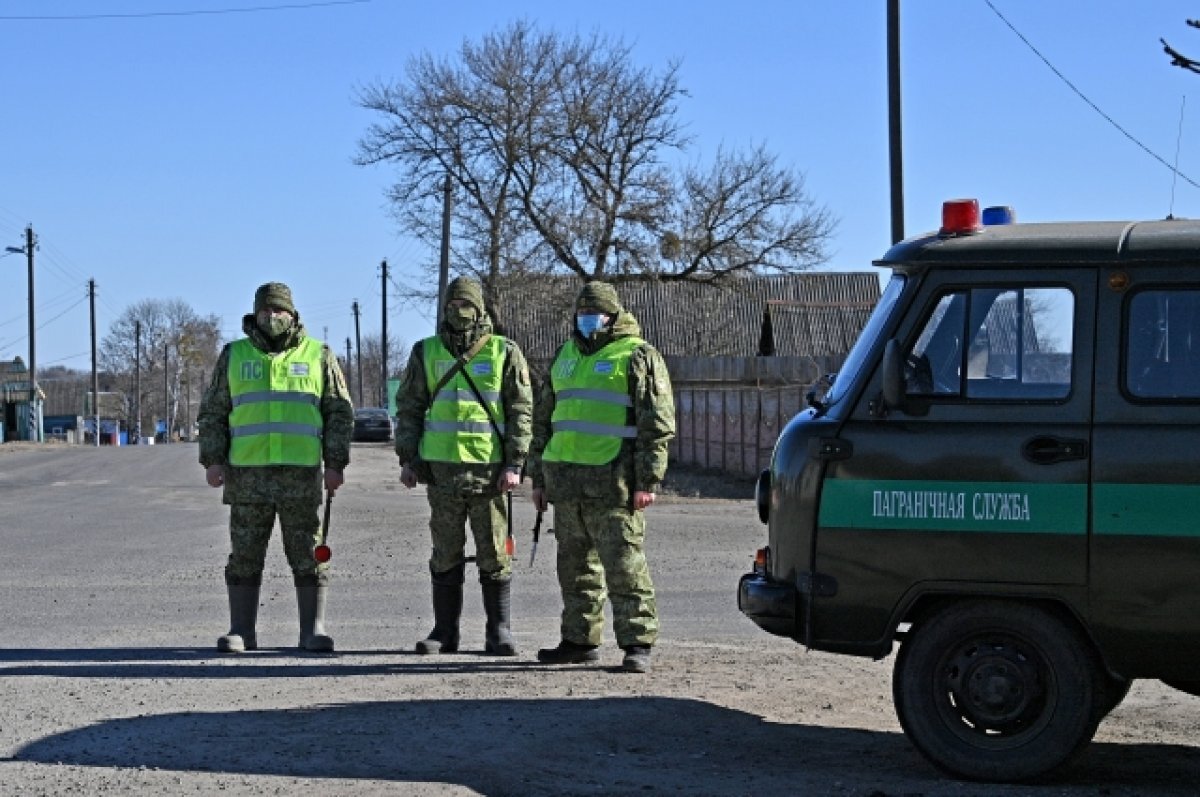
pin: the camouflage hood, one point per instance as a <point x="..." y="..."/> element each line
<point x="459" y="342"/>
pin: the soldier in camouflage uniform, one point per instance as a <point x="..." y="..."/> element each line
<point x="601" y="428"/>
<point x="276" y="409"/>
<point x="445" y="438"/>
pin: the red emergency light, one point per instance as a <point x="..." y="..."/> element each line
<point x="960" y="217"/>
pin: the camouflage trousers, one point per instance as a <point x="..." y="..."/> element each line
<point x="601" y="551"/>
<point x="449" y="513"/>
<point x="250" y="527"/>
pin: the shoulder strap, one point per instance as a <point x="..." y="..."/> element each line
<point x="479" y="344"/>
<point x="459" y="364"/>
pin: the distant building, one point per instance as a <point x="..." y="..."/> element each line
<point x="20" y="410"/>
<point x="66" y="391"/>
<point x="812" y="314"/>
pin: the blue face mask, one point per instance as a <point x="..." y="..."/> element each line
<point x="588" y="325"/>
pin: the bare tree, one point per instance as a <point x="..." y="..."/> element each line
<point x="470" y="122"/>
<point x="744" y="215"/>
<point x="597" y="192"/>
<point x="375" y="391"/>
<point x="178" y="351"/>
<point x="560" y="152"/>
<point x="1179" y="59"/>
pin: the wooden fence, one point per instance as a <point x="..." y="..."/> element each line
<point x="729" y="410"/>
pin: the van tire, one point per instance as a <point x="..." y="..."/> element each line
<point x="1115" y="689"/>
<point x="997" y="691"/>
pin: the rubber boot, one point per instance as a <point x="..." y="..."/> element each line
<point x="243" y="611"/>
<point x="637" y="658"/>
<point x="497" y="603"/>
<point x="447" y="608"/>
<point x="568" y="652"/>
<point x="310" y="600"/>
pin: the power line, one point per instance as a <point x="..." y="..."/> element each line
<point x="54" y="260"/>
<point x="47" y="305"/>
<point x="1084" y="97"/>
<point x="43" y="324"/>
<point x="63" y="313"/>
<point x="12" y="320"/>
<point x="68" y="357"/>
<point x="192" y="13"/>
<point x="52" y="255"/>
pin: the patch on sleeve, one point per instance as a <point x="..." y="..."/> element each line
<point x="298" y="369"/>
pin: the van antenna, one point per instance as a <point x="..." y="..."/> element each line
<point x="1175" y="169"/>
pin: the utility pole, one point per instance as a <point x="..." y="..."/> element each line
<point x="349" y="362"/>
<point x="444" y="260"/>
<point x="34" y="432"/>
<point x="358" y="345"/>
<point x="383" y="402"/>
<point x="137" y="380"/>
<point x="95" y="373"/>
<point x="166" y="391"/>
<point x="895" y="150"/>
<point x="187" y="403"/>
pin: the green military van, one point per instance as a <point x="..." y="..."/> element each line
<point x="1003" y="478"/>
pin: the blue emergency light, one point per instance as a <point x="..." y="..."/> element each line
<point x="998" y="214"/>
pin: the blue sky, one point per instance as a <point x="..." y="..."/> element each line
<point x="196" y="156"/>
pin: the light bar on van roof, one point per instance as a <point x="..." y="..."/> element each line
<point x="960" y="217"/>
<point x="998" y="214"/>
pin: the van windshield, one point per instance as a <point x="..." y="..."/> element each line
<point x="848" y="374"/>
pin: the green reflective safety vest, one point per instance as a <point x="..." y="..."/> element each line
<point x="457" y="428"/>
<point x="591" y="403"/>
<point x="276" y="417"/>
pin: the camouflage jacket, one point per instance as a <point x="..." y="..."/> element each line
<point x="282" y="482"/>
<point x="412" y="402"/>
<point x="642" y="462"/>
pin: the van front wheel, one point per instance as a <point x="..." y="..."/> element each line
<point x="995" y="691"/>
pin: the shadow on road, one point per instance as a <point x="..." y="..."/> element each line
<point x="204" y="663"/>
<point x="611" y="745"/>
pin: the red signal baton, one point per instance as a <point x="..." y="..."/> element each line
<point x="510" y="544"/>
<point x="323" y="553"/>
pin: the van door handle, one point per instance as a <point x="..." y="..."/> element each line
<point x="1047" y="450"/>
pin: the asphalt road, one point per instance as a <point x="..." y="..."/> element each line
<point x="110" y="682"/>
<point x="114" y="598"/>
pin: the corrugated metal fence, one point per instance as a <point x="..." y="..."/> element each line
<point x="729" y="410"/>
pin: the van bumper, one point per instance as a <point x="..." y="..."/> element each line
<point x="770" y="604"/>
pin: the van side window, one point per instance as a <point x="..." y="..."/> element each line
<point x="1162" y="347"/>
<point x="1019" y="345"/>
<point x="933" y="365"/>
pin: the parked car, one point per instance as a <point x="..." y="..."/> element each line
<point x="372" y="423"/>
